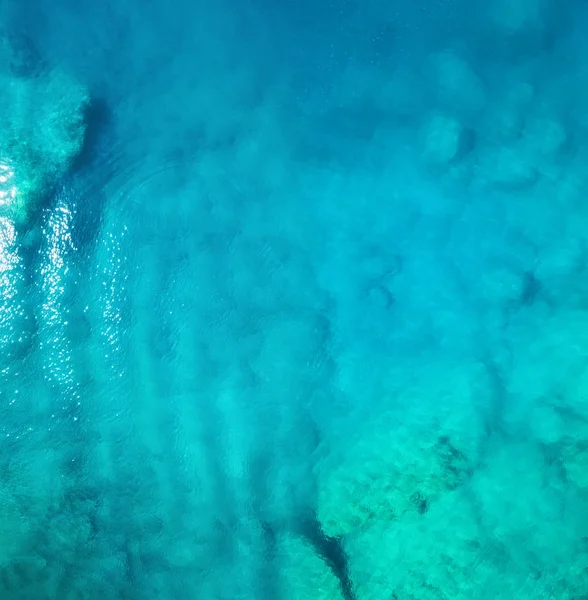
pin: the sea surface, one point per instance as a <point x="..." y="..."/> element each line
<point x="308" y="318"/>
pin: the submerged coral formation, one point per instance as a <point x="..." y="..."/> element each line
<point x="302" y="573"/>
<point x="422" y="441"/>
<point x="42" y="129"/>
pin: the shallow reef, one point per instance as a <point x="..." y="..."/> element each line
<point x="42" y="130"/>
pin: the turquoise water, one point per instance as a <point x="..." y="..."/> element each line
<point x="308" y="318"/>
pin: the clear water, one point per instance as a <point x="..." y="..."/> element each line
<point x="260" y="347"/>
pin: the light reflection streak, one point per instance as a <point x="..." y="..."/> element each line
<point x="8" y="191"/>
<point x="10" y="263"/>
<point x="14" y="333"/>
<point x="11" y="284"/>
<point x="56" y="254"/>
<point x="113" y="278"/>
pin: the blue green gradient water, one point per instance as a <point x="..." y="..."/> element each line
<point x="257" y="348"/>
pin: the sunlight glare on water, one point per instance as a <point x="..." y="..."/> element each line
<point x="112" y="278"/>
<point x="10" y="275"/>
<point x="13" y="336"/>
<point x="56" y="279"/>
<point x="8" y="190"/>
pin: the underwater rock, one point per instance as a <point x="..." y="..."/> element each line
<point x="443" y="140"/>
<point x="456" y="85"/>
<point x="520" y="29"/>
<point x="449" y="553"/>
<point x="574" y="456"/>
<point x="549" y="363"/>
<point x="519" y="18"/>
<point x="500" y="285"/>
<point x="510" y="169"/>
<point x="401" y="93"/>
<point x="15" y="530"/>
<point x="547" y="384"/>
<point x="422" y="443"/>
<point x="388" y="488"/>
<point x="545" y="136"/>
<point x="330" y="550"/>
<point x="504" y="119"/>
<point x="40" y="135"/>
<point x="303" y="572"/>
<point x="430" y="558"/>
<point x="18" y="56"/>
<point x="507" y="489"/>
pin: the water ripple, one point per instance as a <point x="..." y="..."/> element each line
<point x="56" y="280"/>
